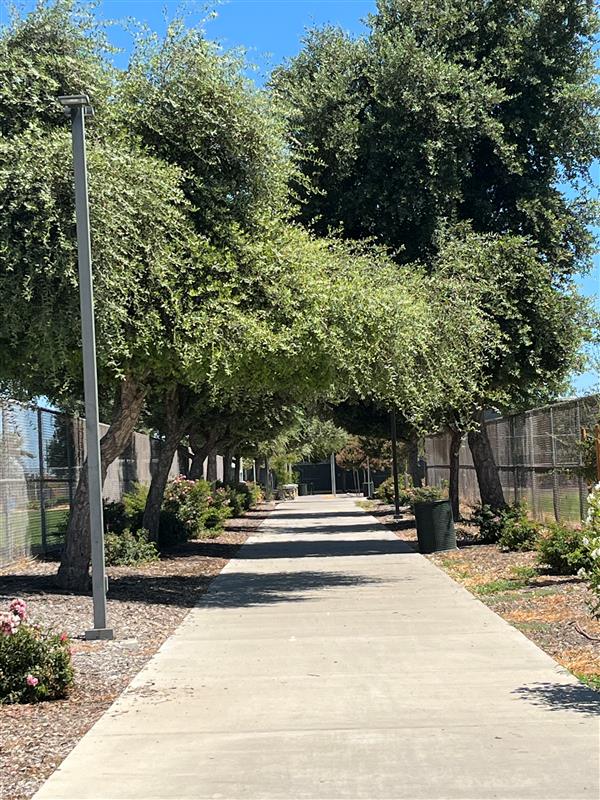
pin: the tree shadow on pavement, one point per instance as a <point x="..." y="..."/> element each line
<point x="562" y="697"/>
<point x="333" y="548"/>
<point x="245" y="589"/>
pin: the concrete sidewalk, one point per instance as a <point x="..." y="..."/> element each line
<point x="330" y="661"/>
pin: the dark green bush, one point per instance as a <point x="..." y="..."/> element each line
<point x="128" y="512"/>
<point x="490" y="523"/>
<point x="510" y="527"/>
<point x="171" y="530"/>
<point x="129" y="549"/>
<point x="35" y="664"/>
<point x="561" y="549"/>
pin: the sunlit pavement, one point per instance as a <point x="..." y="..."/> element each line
<point x="328" y="660"/>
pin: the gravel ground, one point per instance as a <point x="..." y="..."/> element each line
<point x="551" y="610"/>
<point x="145" y="604"/>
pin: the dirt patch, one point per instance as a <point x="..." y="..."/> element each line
<point x="145" y="605"/>
<point x="551" y="610"/>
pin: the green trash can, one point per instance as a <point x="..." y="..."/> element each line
<point x="302" y="489"/>
<point x="435" y="526"/>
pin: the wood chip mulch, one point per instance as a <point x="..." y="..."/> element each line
<point x="551" y="610"/>
<point x="145" y="605"/>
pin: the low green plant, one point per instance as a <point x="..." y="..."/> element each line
<point x="128" y="549"/>
<point x="519" y="532"/>
<point x="35" y="663"/>
<point x="561" y="549"/>
<point x="115" y="518"/>
<point x="524" y="572"/>
<point x="501" y="585"/>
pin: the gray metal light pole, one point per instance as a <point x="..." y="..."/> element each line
<point x="77" y="107"/>
<point x="397" y="514"/>
<point x="333" y="484"/>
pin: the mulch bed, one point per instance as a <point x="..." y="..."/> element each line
<point x="145" y="605"/>
<point x="551" y="610"/>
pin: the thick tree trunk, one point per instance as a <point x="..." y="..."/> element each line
<point x="201" y="446"/>
<point x="412" y="447"/>
<point x="73" y="573"/>
<point x="175" y="428"/>
<point x="454" y="462"/>
<point x="211" y="467"/>
<point x="227" y="469"/>
<point x="488" y="478"/>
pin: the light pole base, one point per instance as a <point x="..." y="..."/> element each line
<point x="100" y="633"/>
<point x="398" y="516"/>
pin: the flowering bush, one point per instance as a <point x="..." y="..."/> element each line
<point x="35" y="664"/>
<point x="591" y="547"/>
<point x="190" y="508"/>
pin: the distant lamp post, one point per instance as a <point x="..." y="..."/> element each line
<point x="397" y="514"/>
<point x="333" y="484"/>
<point x="78" y="107"/>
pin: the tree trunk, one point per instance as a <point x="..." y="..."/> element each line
<point x="238" y="467"/>
<point x="412" y="447"/>
<point x="175" y="428"/>
<point x="73" y="573"/>
<point x="201" y="446"/>
<point x="227" y="470"/>
<point x="454" y="462"/>
<point x="211" y="467"/>
<point x="490" y="488"/>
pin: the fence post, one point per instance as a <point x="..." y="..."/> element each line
<point x="42" y="483"/>
<point x="529" y="428"/>
<point x="513" y="460"/>
<point x="554" y="475"/>
<point x="581" y="482"/>
<point x="70" y="435"/>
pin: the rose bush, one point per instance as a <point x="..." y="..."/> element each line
<point x="35" y="663"/>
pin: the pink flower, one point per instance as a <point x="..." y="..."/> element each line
<point x="32" y="680"/>
<point x="9" y="624"/>
<point x="19" y="608"/>
<point x="63" y="637"/>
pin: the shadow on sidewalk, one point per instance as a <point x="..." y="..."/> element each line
<point x="245" y="589"/>
<point x="304" y="548"/>
<point x="562" y="697"/>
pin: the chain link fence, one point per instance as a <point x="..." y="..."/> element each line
<point x="539" y="458"/>
<point x="41" y="455"/>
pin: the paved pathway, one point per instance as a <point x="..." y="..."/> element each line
<point x="328" y="661"/>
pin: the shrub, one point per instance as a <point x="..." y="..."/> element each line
<point x="185" y="502"/>
<point x="591" y="547"/>
<point x="129" y="549"/>
<point x="128" y="512"/>
<point x="171" y="530"/>
<point x="35" y="664"/>
<point x="518" y="532"/>
<point x="510" y="527"/>
<point x="115" y="518"/>
<point x="561" y="549"/>
<point x="135" y="500"/>
<point x="385" y="492"/>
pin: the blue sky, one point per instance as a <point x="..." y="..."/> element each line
<point x="270" y="31"/>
